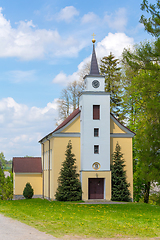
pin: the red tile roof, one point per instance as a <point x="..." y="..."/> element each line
<point x="27" y="165"/>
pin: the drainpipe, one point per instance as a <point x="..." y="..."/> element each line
<point x="49" y="173"/>
<point x="43" y="172"/>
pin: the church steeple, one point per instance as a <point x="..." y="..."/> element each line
<point x="94" y="65"/>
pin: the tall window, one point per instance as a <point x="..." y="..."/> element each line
<point x="96" y="132"/>
<point x="96" y="149"/>
<point x="96" y="112"/>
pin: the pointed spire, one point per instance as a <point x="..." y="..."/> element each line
<point x="94" y="65"/>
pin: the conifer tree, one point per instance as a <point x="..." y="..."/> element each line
<point x="28" y="191"/>
<point x="120" y="191"/>
<point x="69" y="188"/>
<point x="112" y="72"/>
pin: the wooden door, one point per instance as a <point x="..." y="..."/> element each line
<point x="96" y="188"/>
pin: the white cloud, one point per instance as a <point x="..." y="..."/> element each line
<point x="117" y="21"/>
<point x="27" y="42"/>
<point x="114" y="43"/>
<point x="24" y="127"/>
<point x="89" y="18"/>
<point x="67" y="14"/>
<point x="63" y="79"/>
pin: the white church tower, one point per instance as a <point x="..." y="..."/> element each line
<point x="95" y="135"/>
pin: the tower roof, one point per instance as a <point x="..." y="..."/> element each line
<point x="94" y="65"/>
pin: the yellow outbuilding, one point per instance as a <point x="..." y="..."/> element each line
<point x="27" y="170"/>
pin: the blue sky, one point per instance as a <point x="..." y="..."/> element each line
<point x="43" y="46"/>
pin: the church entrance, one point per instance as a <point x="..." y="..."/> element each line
<point x="96" y="188"/>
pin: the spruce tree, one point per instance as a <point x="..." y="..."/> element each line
<point x="112" y="72"/>
<point x="69" y="188"/>
<point x="120" y="191"/>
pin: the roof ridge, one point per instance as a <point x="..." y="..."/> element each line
<point x="67" y="120"/>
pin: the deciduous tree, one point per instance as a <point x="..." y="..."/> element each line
<point x="145" y="88"/>
<point x="151" y="24"/>
<point x="6" y="186"/>
<point x="69" y="99"/>
<point x="2" y="160"/>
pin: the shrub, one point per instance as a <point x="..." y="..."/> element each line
<point x="155" y="198"/>
<point x="28" y="191"/>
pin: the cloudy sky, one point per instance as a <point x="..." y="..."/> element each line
<point x="43" y="46"/>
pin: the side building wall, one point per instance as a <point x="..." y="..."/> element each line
<point x="20" y="180"/>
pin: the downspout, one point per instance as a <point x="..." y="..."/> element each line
<point x="49" y="173"/>
<point x="43" y="172"/>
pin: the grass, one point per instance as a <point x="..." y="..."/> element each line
<point x="63" y="218"/>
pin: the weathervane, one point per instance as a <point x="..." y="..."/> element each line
<point x="93" y="40"/>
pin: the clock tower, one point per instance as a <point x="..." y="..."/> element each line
<point x="95" y="135"/>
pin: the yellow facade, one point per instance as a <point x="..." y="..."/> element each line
<point x="114" y="128"/>
<point x="73" y="127"/>
<point x="20" y="180"/>
<point x="58" y="143"/>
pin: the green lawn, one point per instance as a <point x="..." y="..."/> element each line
<point x="62" y="218"/>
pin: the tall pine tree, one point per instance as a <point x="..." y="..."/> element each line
<point x="112" y="72"/>
<point x="69" y="188"/>
<point x="120" y="191"/>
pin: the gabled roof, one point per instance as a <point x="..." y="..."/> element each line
<point x="71" y="117"/>
<point x="64" y="123"/>
<point x="124" y="128"/>
<point x="27" y="165"/>
<point x="68" y="119"/>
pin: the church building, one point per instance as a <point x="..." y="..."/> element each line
<point x="94" y="133"/>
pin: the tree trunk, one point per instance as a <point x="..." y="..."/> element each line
<point x="146" y="193"/>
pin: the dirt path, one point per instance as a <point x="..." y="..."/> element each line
<point x="11" y="229"/>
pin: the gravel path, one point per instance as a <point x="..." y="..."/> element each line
<point x="11" y="229"/>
